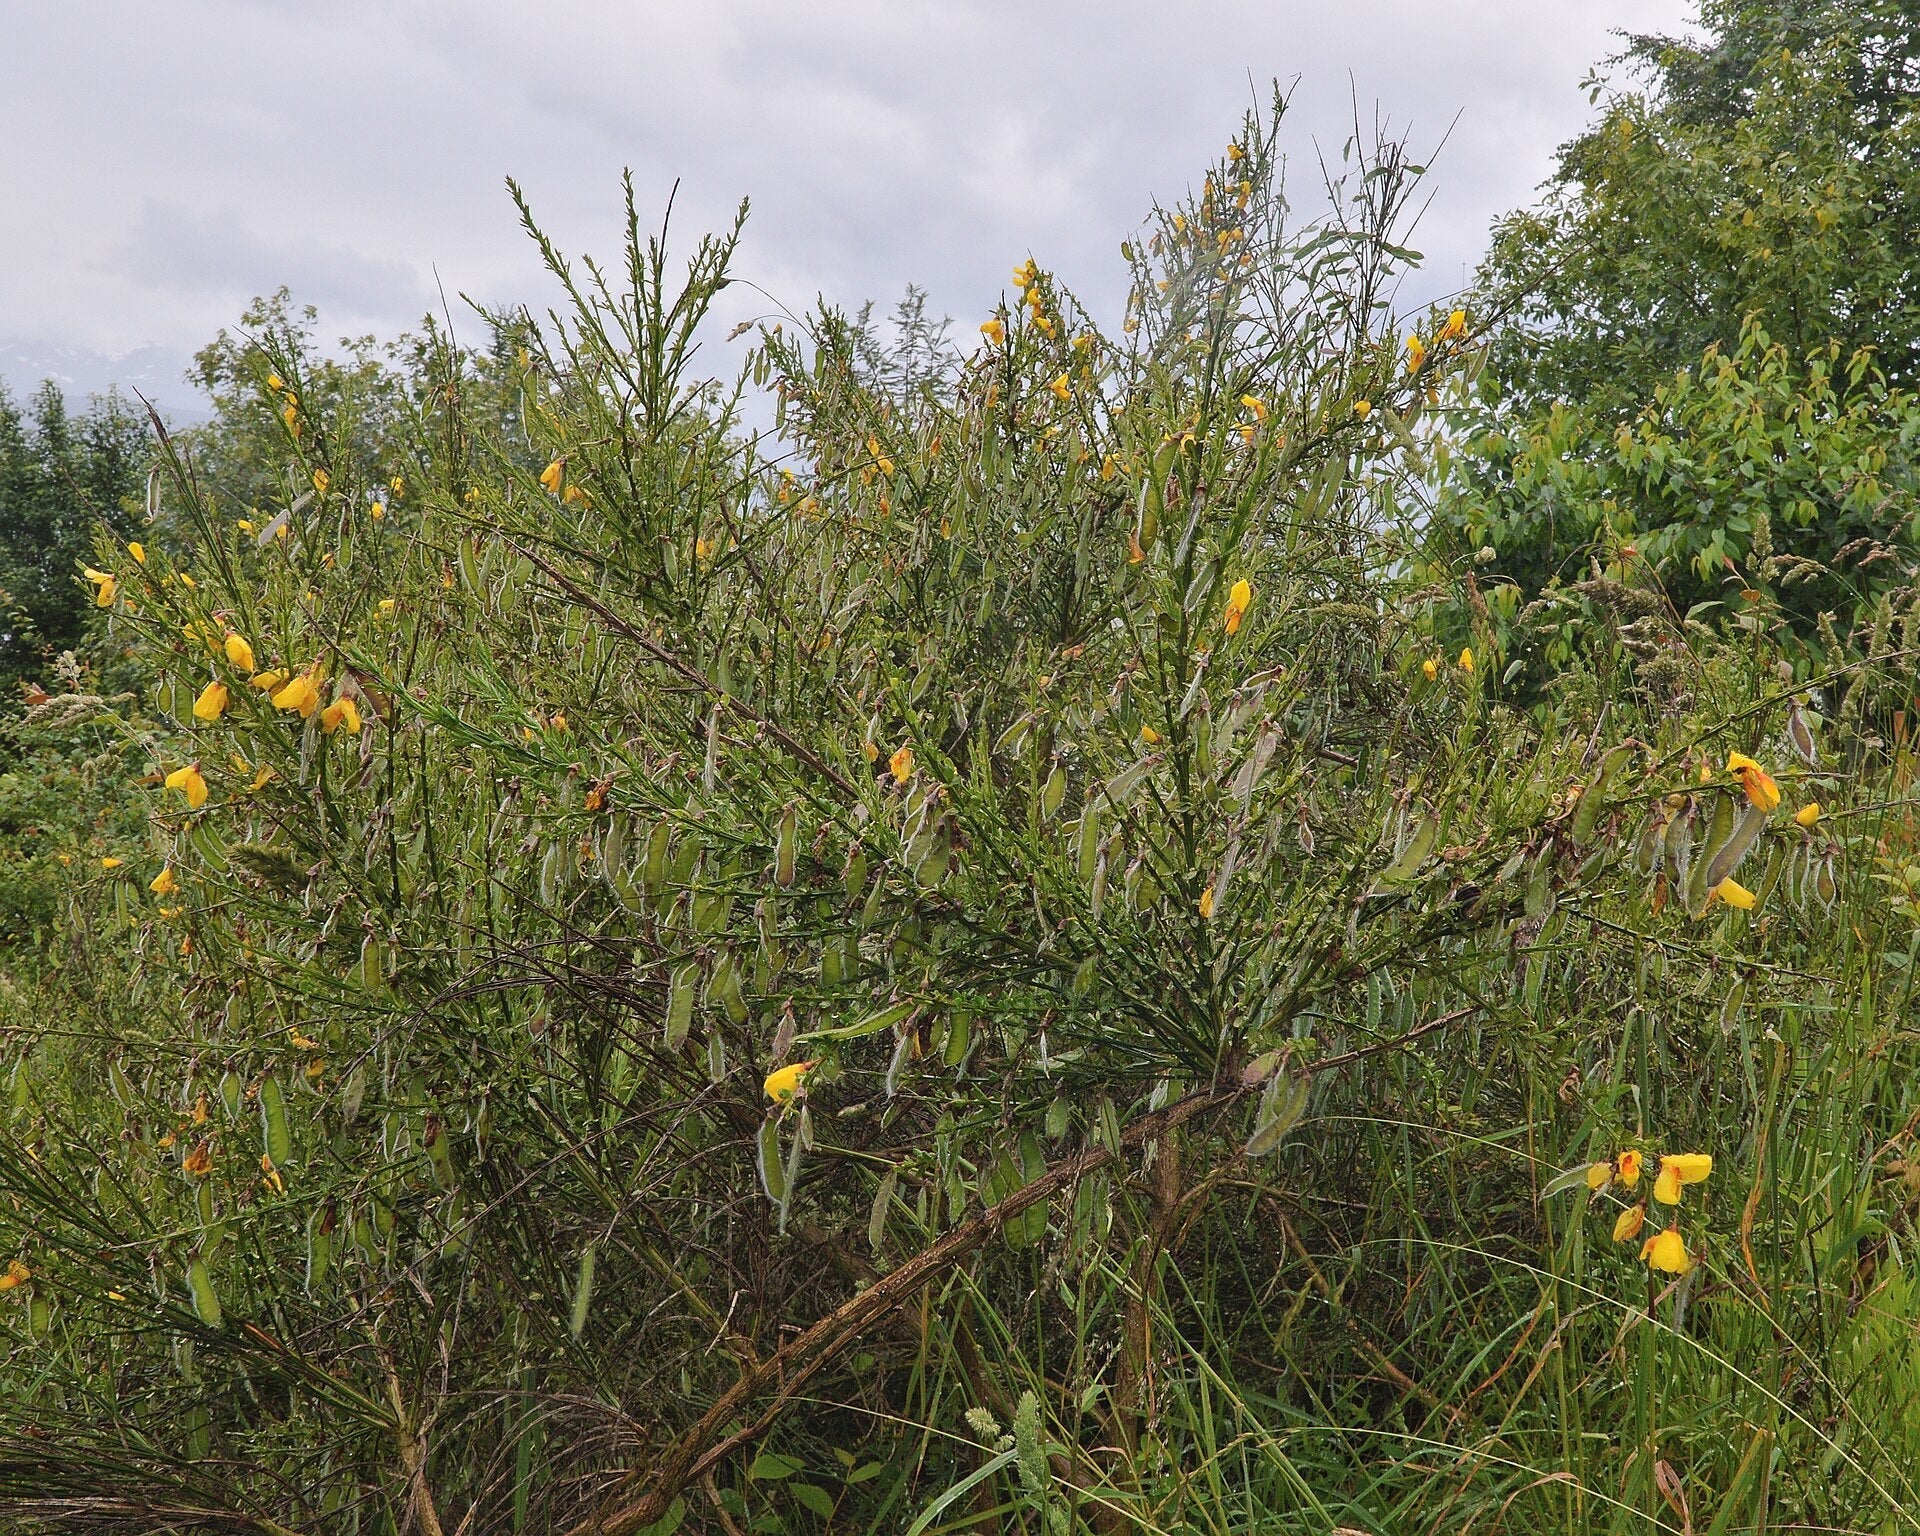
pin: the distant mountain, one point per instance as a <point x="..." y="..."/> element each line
<point x="157" y="372"/>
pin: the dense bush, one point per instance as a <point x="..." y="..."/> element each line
<point x="970" y="966"/>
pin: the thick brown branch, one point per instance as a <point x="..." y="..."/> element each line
<point x="703" y="1446"/>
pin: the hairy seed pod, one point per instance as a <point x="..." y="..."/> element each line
<point x="1054" y="791"/>
<point x="783" y="846"/>
<point x="206" y="1305"/>
<point x="680" y="990"/>
<point x="276" y="1134"/>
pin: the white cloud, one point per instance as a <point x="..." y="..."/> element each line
<point x="183" y="158"/>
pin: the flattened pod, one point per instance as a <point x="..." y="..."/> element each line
<point x="882" y="1203"/>
<point x="1054" y="791"/>
<point x="653" y="864"/>
<point x="1282" y="1102"/>
<point x="1678" y="847"/>
<point x="1586" y="815"/>
<point x="319" y="1247"/>
<point x="1800" y="736"/>
<point x="1089" y="843"/>
<point x="855" y="874"/>
<point x="1824" y="885"/>
<point x="275" y="1132"/>
<point x="1719" y="831"/>
<point x="1646" y="848"/>
<point x="613" y="846"/>
<point x="1539" y="899"/>
<point x="783" y="847"/>
<point x="582" y="1293"/>
<point x="724" y="987"/>
<point x="680" y="990"/>
<point x="206" y="1305"/>
<point x="1098" y="897"/>
<point x="1727" y="857"/>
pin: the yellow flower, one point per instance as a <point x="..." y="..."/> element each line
<point x="386" y="605"/>
<point x="1416" y="353"/>
<point x="1762" y="792"/>
<point x="321" y="480"/>
<point x="995" y="331"/>
<point x="1630" y="1221"/>
<point x="1061" y="388"/>
<point x="110" y="862"/>
<point x="245" y="525"/>
<point x="239" y="652"/>
<point x="298" y="694"/>
<point x="212" y="702"/>
<point x="342" y="711"/>
<point x="1667" y="1250"/>
<point x="1687" y="1167"/>
<point x="1044" y="325"/>
<point x="190" y="783"/>
<point x="104" y="586"/>
<point x="1135" y="554"/>
<point x="1466" y="659"/>
<point x="398" y="485"/>
<point x="1025" y="274"/>
<point x="1363" y="408"/>
<point x="1239" y="597"/>
<point x="550" y="476"/>
<point x="199" y="1162"/>
<point x="1808" y="814"/>
<point x="1255" y="404"/>
<point x="17" y="1274"/>
<point x="558" y="722"/>
<point x="290" y="414"/>
<point x="377" y="511"/>
<point x="1629" y="1164"/>
<point x="784" y="1083"/>
<point x="275" y="382"/>
<point x="1599" y="1175"/>
<point x="1430" y="668"/>
<point x="1235" y="153"/>
<point x="163" y="884"/>
<point x="1206" y="903"/>
<point x="139" y="553"/>
<point x="1150" y="736"/>
<point x="1456" y="326"/>
<point x="902" y="764"/>
<point x="1734" y="894"/>
<point x="267" y="681"/>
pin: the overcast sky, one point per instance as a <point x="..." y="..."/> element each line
<point x="163" y="163"/>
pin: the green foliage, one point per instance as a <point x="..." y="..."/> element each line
<point x="684" y="980"/>
<point x="1771" y="171"/>
<point x="60" y="476"/>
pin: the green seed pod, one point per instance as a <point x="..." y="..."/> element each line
<point x="1727" y="857"/>
<point x="1538" y="902"/>
<point x="275" y="1132"/>
<point x="723" y="987"/>
<point x="121" y="1085"/>
<point x="870" y="908"/>
<point x="1678" y="847"/>
<point x="959" y="1039"/>
<point x="653" y="867"/>
<point x="773" y="1168"/>
<point x="783" y="846"/>
<point x="1646" y="847"/>
<point x="319" y="1247"/>
<point x="854" y="876"/>
<point x="206" y="1305"/>
<point x="1089" y="842"/>
<point x="433" y="1141"/>
<point x="372" y="973"/>
<point x="680" y="992"/>
<point x="1097" y="897"/>
<point x="582" y="1292"/>
<point x="1054" y="791"/>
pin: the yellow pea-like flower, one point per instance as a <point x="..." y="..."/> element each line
<point x="550" y="476"/>
<point x="1628" y="1167"/>
<point x="1599" y="1175"/>
<point x="239" y="652"/>
<point x="267" y="682"/>
<point x="1430" y="668"/>
<point x="1150" y="736"/>
<point x="1761" y="791"/>
<point x="189" y="782"/>
<point x="1808" y="814"/>
<point x="299" y="694"/>
<point x="1688" y="1167"/>
<point x="901" y="763"/>
<point x="104" y="586"/>
<point x="212" y="702"/>
<point x="1363" y="408"/>
<point x="321" y="481"/>
<point x="342" y="711"/>
<point x="164" y="883"/>
<point x="17" y="1274"/>
<point x="1062" y="388"/>
<point x="995" y="331"/>
<point x="1239" y="599"/>
<point x="1206" y="903"/>
<point x="1630" y="1221"/>
<point x="781" y="1085"/>
<point x="1734" y="894"/>
<point x="1255" y="404"/>
<point x="1466" y="659"/>
<point x="1667" y="1250"/>
<point x="110" y="862"/>
<point x="139" y="553"/>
